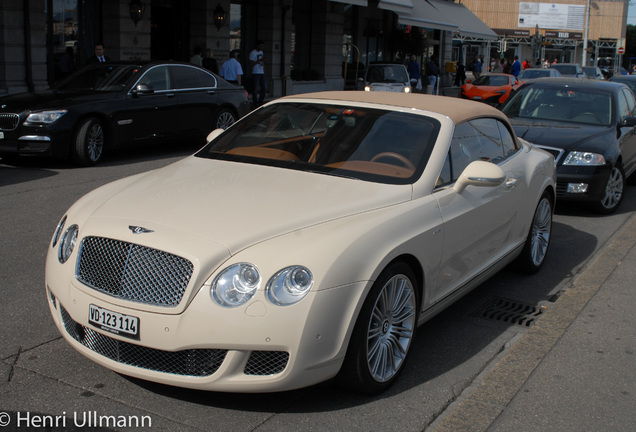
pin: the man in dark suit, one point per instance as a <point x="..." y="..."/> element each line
<point x="99" y="56"/>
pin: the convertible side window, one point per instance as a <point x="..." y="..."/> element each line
<point x="485" y="139"/>
<point x="509" y="144"/>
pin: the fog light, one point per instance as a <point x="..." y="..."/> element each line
<point x="577" y="188"/>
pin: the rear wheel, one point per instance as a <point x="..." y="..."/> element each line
<point x="88" y="143"/>
<point x="614" y="191"/>
<point x="383" y="333"/>
<point x="535" y="250"/>
<point x="224" y="119"/>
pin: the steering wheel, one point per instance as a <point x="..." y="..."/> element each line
<point x="391" y="155"/>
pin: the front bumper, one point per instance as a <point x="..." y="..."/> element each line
<point x="594" y="177"/>
<point x="35" y="140"/>
<point x="256" y="348"/>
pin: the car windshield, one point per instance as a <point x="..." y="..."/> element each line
<point x="567" y="104"/>
<point x="492" y="80"/>
<point x="590" y="72"/>
<point x="350" y="141"/>
<point x="99" y="78"/>
<point x="387" y="74"/>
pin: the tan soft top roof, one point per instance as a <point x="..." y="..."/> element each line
<point x="457" y="109"/>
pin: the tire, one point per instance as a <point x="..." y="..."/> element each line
<point x="224" y="119"/>
<point x="383" y="333"/>
<point x="534" y="251"/>
<point x="88" y="143"/>
<point x="614" y="191"/>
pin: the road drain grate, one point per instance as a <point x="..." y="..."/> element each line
<point x="510" y="311"/>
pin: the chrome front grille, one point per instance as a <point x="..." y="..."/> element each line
<point x="133" y="272"/>
<point x="191" y="362"/>
<point x="9" y="121"/>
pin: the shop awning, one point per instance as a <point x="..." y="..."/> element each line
<point x="446" y="15"/>
<point x="352" y="2"/>
<point x="397" y="6"/>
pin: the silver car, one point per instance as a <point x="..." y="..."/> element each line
<point x="388" y="78"/>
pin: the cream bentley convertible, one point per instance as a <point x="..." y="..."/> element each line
<point x="307" y="241"/>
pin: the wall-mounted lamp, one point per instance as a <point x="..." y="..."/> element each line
<point x="219" y="16"/>
<point x="136" y="9"/>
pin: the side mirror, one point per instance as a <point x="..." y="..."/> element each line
<point x="215" y="133"/>
<point x="480" y="173"/>
<point x="143" y="89"/>
<point x="629" y="122"/>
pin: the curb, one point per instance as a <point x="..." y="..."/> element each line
<point x="480" y="405"/>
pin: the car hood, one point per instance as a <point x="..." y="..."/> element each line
<point x="237" y="205"/>
<point x="568" y="136"/>
<point x="50" y="99"/>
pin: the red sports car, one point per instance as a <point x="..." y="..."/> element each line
<point x="492" y="88"/>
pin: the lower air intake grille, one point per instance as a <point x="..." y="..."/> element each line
<point x="192" y="362"/>
<point x="266" y="362"/>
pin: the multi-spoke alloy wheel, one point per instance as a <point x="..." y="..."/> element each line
<point x="224" y="119"/>
<point x="383" y="333"/>
<point x="541" y="230"/>
<point x="89" y="142"/>
<point x="613" y="191"/>
<point x="533" y="255"/>
<point x="391" y="328"/>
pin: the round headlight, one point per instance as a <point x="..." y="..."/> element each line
<point x="67" y="243"/>
<point x="58" y="231"/>
<point x="290" y="285"/>
<point x="236" y="284"/>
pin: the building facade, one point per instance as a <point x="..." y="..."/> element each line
<point x="567" y="31"/>
<point x="310" y="45"/>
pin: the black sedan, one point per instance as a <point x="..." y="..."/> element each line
<point x="589" y="126"/>
<point x="628" y="80"/>
<point x="111" y="105"/>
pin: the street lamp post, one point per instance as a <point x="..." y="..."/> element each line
<point x="585" y="37"/>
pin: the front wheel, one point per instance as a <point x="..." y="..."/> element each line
<point x="383" y="333"/>
<point x="537" y="243"/>
<point x="614" y="191"/>
<point x="88" y="143"/>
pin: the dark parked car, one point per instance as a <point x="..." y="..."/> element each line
<point x="534" y="73"/>
<point x="628" y="80"/>
<point x="572" y="70"/>
<point x="588" y="126"/>
<point x="593" y="72"/>
<point x="111" y="105"/>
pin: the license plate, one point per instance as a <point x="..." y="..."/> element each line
<point x="477" y="98"/>
<point x="1" y="135"/>
<point x="114" y="322"/>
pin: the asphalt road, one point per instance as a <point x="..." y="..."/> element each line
<point x="45" y="383"/>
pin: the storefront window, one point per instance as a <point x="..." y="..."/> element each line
<point x="301" y="42"/>
<point x="63" y="25"/>
<point x="235" y="26"/>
